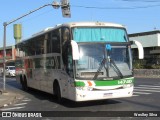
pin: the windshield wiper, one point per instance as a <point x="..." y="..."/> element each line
<point x="116" y="69"/>
<point x="109" y="63"/>
<point x="100" y="68"/>
<point x="114" y="66"/>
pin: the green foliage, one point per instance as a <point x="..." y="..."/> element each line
<point x="138" y="65"/>
<point x="155" y="66"/>
<point x="141" y="64"/>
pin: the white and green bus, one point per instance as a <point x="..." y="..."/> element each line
<point x="80" y="61"/>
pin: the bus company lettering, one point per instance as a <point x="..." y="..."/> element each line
<point x="121" y="82"/>
<point x="51" y="62"/>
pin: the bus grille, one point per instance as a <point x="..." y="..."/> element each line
<point x="90" y="74"/>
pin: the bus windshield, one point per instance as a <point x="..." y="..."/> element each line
<point x="12" y="68"/>
<point x="92" y="55"/>
<point x="99" y="34"/>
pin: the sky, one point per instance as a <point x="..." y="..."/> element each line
<point x="135" y="15"/>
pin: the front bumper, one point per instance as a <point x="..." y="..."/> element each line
<point x="100" y="95"/>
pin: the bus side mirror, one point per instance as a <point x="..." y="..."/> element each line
<point x="140" y="49"/>
<point x="75" y="50"/>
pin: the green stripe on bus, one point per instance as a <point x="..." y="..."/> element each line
<point x="114" y="82"/>
<point x="79" y="84"/>
<point x="107" y="82"/>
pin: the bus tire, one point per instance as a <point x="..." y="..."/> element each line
<point x="24" y="84"/>
<point x="57" y="92"/>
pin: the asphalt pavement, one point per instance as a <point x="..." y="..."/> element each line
<point x="8" y="96"/>
<point x="146" y="98"/>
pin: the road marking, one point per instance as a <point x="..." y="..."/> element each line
<point x="55" y="106"/>
<point x="14" y="108"/>
<point x="148" y="88"/>
<point x="141" y="93"/>
<point x="2" y="99"/>
<point x="135" y="95"/>
<point x="26" y="99"/>
<point x="19" y="104"/>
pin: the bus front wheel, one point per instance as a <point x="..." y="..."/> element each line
<point x="57" y="92"/>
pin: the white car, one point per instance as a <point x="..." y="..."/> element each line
<point x="10" y="71"/>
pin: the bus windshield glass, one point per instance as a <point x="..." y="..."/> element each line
<point x="99" y="34"/>
<point x="12" y="68"/>
<point x="92" y="42"/>
<point x="92" y="55"/>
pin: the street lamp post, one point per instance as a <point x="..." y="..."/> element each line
<point x="54" y="5"/>
<point x="4" y="57"/>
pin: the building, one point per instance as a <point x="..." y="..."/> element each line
<point x="151" y="43"/>
<point x="10" y="56"/>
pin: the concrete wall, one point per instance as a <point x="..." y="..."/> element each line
<point x="149" y="73"/>
<point x="158" y="39"/>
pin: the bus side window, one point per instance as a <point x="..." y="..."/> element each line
<point x="53" y="42"/>
<point x="56" y="41"/>
<point x="31" y="47"/>
<point x="49" y="44"/>
<point x="39" y="45"/>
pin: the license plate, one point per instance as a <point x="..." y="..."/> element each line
<point x="107" y="94"/>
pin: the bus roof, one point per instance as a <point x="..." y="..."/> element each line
<point x="94" y="24"/>
<point x="77" y="24"/>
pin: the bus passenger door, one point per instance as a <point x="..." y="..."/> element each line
<point x="67" y="61"/>
<point x="68" y="70"/>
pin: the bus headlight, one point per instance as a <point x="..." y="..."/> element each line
<point x="85" y="88"/>
<point x="127" y="85"/>
<point x="89" y="88"/>
<point x="79" y="88"/>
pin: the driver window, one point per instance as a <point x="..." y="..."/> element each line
<point x="66" y="51"/>
<point x="65" y="42"/>
<point x="70" y="62"/>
